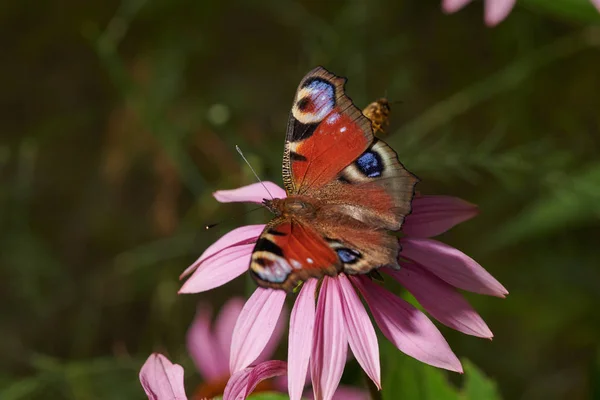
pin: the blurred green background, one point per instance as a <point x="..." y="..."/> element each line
<point x="119" y="119"/>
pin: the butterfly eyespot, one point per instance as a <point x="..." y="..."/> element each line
<point x="348" y="256"/>
<point x="370" y="164"/>
<point x="315" y="100"/>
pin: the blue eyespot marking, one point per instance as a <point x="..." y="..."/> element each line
<point x="348" y="256"/>
<point x="370" y="164"/>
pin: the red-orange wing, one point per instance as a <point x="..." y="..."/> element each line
<point x="288" y="252"/>
<point x="326" y="132"/>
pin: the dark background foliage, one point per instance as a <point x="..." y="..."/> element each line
<point x="119" y="119"/>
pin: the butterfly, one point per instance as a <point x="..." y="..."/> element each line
<point x="346" y="190"/>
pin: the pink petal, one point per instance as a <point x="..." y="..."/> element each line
<point x="161" y="379"/>
<point x="330" y="343"/>
<point x="434" y="215"/>
<point x="497" y="10"/>
<point x="217" y="271"/>
<point x="451" y="265"/>
<point x="242" y="235"/>
<point x="255" y="326"/>
<point x="408" y="328"/>
<point x="254" y="193"/>
<point x="275" y="339"/>
<point x="344" y="392"/>
<point x="361" y="334"/>
<point x="243" y="382"/>
<point x="440" y="300"/>
<point x="224" y="326"/>
<point x="596" y="3"/>
<point x="350" y="393"/>
<point x="204" y="347"/>
<point x="300" y="340"/>
<point x="450" y="6"/>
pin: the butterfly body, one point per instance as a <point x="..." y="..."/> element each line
<point x="346" y="191"/>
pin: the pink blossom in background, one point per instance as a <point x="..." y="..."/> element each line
<point x="209" y="344"/>
<point x="320" y="333"/>
<point x="163" y="380"/>
<point x="495" y="10"/>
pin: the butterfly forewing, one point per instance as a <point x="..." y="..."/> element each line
<point x="325" y="133"/>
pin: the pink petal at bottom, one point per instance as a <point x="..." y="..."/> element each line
<point x="217" y="271"/>
<point x="440" y="300"/>
<point x="204" y="347"/>
<point x="434" y="215"/>
<point x="254" y="193"/>
<point x="161" y="379"/>
<point x="255" y="326"/>
<point x="406" y="327"/>
<point x="243" y="382"/>
<point x="450" y="6"/>
<point x="300" y="340"/>
<point x="451" y="265"/>
<point x="361" y="334"/>
<point x="497" y="10"/>
<point x="223" y="330"/>
<point x="596" y="3"/>
<point x="344" y="392"/>
<point x="330" y="343"/>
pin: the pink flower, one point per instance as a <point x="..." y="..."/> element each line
<point x="163" y="380"/>
<point x="320" y="333"/>
<point x="495" y="10"/>
<point x="209" y="346"/>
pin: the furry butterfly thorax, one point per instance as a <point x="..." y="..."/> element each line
<point x="346" y="190"/>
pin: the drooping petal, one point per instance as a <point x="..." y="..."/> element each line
<point x="408" y="328"/>
<point x="450" y="6"/>
<point x="255" y="326"/>
<point x="203" y="346"/>
<point x="330" y="343"/>
<point x="497" y="10"/>
<point x="243" y="382"/>
<point x="275" y="339"/>
<point x="254" y="193"/>
<point x="161" y="379"/>
<point x="596" y="3"/>
<point x="434" y="215"/>
<point x="242" y="235"/>
<point x="300" y="341"/>
<point x="361" y="334"/>
<point x="451" y="265"/>
<point x="218" y="270"/>
<point x="440" y="300"/>
<point x="224" y="326"/>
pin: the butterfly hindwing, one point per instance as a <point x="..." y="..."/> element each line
<point x="325" y="133"/>
<point x="375" y="189"/>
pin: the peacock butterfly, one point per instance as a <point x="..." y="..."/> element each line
<point x="345" y="190"/>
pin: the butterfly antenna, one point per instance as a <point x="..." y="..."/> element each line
<point x="209" y="226"/>
<point x="252" y="169"/>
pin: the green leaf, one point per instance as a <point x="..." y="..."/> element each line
<point x="407" y="378"/>
<point x="268" y="396"/>
<point x="579" y="10"/>
<point x="571" y="200"/>
<point x="477" y="385"/>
